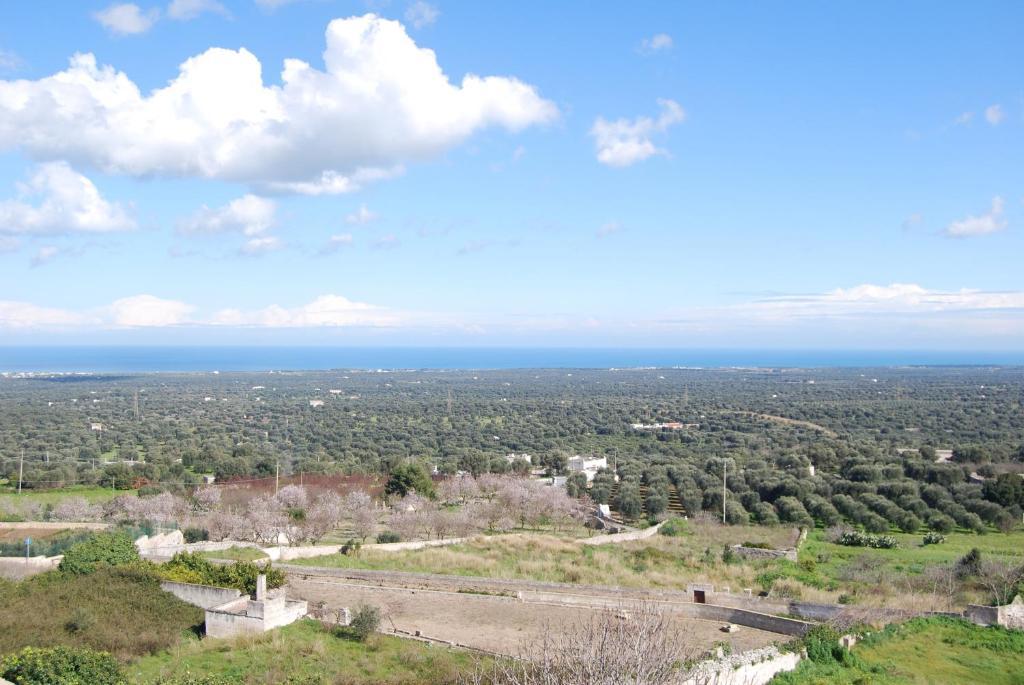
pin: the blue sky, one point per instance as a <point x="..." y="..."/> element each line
<point x="650" y="174"/>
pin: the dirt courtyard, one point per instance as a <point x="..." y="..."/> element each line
<point x="492" y="623"/>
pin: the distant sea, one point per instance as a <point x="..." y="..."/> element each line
<point x="137" y="359"/>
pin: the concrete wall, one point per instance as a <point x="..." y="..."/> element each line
<point x="203" y="596"/>
<point x="755" y="667"/>
<point x="707" y="612"/>
<point x="623" y="537"/>
<point x="151" y="544"/>
<point x="1008" y="615"/>
<point x="226" y="621"/>
<point x="16" y="568"/>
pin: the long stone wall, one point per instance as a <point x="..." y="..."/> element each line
<point x="623" y="537"/>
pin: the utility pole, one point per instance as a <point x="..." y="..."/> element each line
<point x="277" y="478"/>
<point x="21" y="469"/>
<point x="725" y="469"/>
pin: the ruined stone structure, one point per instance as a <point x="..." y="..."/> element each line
<point x="1008" y="615"/>
<point x="244" y="615"/>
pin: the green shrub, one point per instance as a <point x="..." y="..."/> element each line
<point x="934" y="538"/>
<point x="112" y="549"/>
<point x="61" y="666"/>
<point x="822" y="645"/>
<point x="365" y="622"/>
<point x="409" y="477"/>
<point x="351" y="547"/>
<point x="194" y="534"/>
<point x="674" y="527"/>
<point x="855" y="538"/>
<point x="188" y="567"/>
<point x="388" y="536"/>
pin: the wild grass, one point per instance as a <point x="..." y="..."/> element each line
<point x="305" y="652"/>
<point x="91" y="493"/>
<point x="119" y="610"/>
<point x="659" y="561"/>
<point x="936" y="651"/>
<point x="236" y="554"/>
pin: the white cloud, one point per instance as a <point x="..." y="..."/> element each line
<point x="380" y="102"/>
<point x="324" y="311"/>
<point x="274" y="4"/>
<point x="608" y="229"/>
<point x="992" y="221"/>
<point x="624" y="142"/>
<point x="994" y="114"/>
<point x="964" y="119"/>
<point x="361" y="216"/>
<point x="336" y="242"/>
<point x="262" y="245"/>
<point x="185" y="10"/>
<point x="869" y="299"/>
<point x="249" y="215"/>
<point x="147" y="311"/>
<point x="9" y="244"/>
<point x="913" y="221"/>
<point x="386" y="242"/>
<point x="421" y="14"/>
<point x="23" y="315"/>
<point x="127" y="18"/>
<point x="45" y="254"/>
<point x="656" y="43"/>
<point x="9" y="60"/>
<point x="66" y="202"/>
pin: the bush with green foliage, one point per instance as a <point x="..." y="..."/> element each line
<point x="195" y="534"/>
<point x="934" y="538"/>
<point x="61" y="666"/>
<point x="674" y="527"/>
<point x="855" y="538"/>
<point x="188" y="567"/>
<point x="387" y="537"/>
<point x="365" y="622"/>
<point x="111" y="549"/>
<point x="409" y="477"/>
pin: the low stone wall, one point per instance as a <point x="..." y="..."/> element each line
<point x="755" y="667"/>
<point x="1008" y="615"/>
<point x="760" y="553"/>
<point x="707" y="612"/>
<point x="16" y="568"/>
<point x="203" y="596"/>
<point x="169" y="550"/>
<point x="623" y="537"/>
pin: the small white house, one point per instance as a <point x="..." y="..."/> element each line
<point x="589" y="466"/>
<point x="96" y="427"/>
<point x="316" y="403"/>
<point x="513" y="457"/>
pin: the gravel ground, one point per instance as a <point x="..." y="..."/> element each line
<point x="495" y="624"/>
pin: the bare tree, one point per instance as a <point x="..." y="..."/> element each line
<point x="635" y="645"/>
<point x="359" y="508"/>
<point x="267" y="520"/>
<point x="227" y="525"/>
<point x="292" y="497"/>
<point x="205" y="499"/>
<point x="322" y="517"/>
<point x="1000" y="579"/>
<point x="76" y="509"/>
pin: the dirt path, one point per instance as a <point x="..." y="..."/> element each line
<point x="791" y="422"/>
<point x="488" y="622"/>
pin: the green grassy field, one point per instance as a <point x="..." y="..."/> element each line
<point x="659" y="561"/>
<point x="861" y="569"/>
<point x="44" y="497"/>
<point x="933" y="651"/>
<point x="119" y="610"/>
<point x="236" y="554"/>
<point x="305" y="653"/>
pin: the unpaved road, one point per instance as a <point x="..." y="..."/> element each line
<point x="488" y="622"/>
